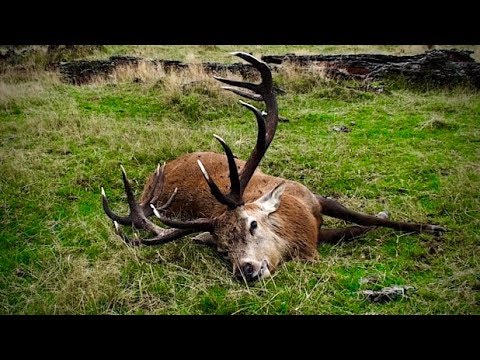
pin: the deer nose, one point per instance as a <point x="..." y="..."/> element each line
<point x="247" y="271"/>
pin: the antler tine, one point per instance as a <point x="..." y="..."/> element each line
<point x="247" y="85"/>
<point x="251" y="96"/>
<point x="261" y="66"/>
<point x="257" y="152"/>
<point x="124" y="220"/>
<point x="201" y="224"/>
<point x="263" y="88"/>
<point x="166" y="236"/>
<point x="232" y="167"/>
<point x="214" y="188"/>
<point x="128" y="190"/>
<point x="156" y="190"/>
<point x="169" y="201"/>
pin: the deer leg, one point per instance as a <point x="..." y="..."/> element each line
<point x="334" y="209"/>
<point x="206" y="238"/>
<point x="334" y="236"/>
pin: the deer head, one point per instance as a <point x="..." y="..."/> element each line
<point x="249" y="235"/>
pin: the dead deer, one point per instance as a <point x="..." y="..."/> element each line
<point x="256" y="220"/>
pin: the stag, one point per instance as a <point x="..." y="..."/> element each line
<point x="255" y="220"/>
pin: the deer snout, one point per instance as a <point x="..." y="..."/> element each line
<point x="252" y="270"/>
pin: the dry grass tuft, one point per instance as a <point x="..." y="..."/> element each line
<point x="145" y="72"/>
<point x="302" y="79"/>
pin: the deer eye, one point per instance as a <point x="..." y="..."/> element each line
<point x="253" y="226"/>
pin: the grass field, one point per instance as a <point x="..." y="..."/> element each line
<point x="412" y="152"/>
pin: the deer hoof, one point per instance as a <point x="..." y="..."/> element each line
<point x="203" y="238"/>
<point x="382" y="214"/>
<point x="435" y="230"/>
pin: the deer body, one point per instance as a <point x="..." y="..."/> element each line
<point x="298" y="217"/>
<point x="256" y="219"/>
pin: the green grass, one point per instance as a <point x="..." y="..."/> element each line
<point x="413" y="153"/>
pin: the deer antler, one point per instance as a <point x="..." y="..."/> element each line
<point x="266" y="131"/>
<point x="139" y="213"/>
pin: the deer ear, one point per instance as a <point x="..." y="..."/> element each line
<point x="270" y="202"/>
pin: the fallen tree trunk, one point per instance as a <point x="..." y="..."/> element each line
<point x="80" y="72"/>
<point x="436" y="67"/>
